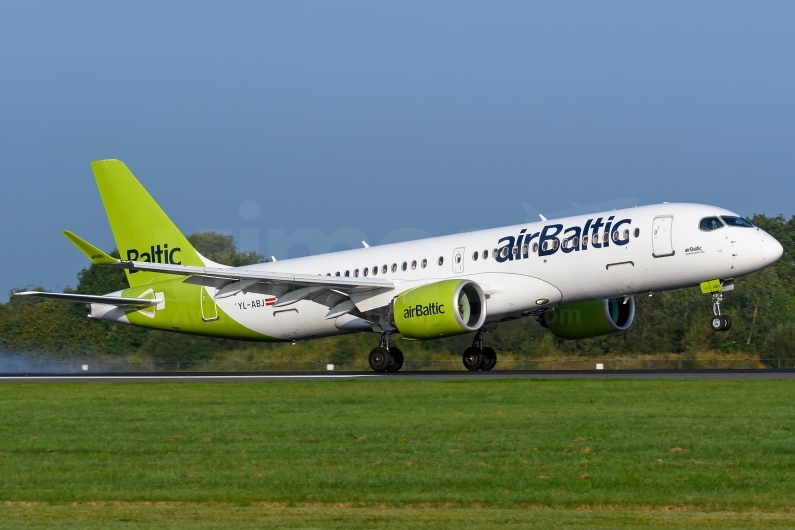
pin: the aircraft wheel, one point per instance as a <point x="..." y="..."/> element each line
<point x="473" y="359"/>
<point x="489" y="359"/>
<point x="380" y="359"/>
<point x="397" y="359"/>
<point x="727" y="323"/>
<point x="716" y="323"/>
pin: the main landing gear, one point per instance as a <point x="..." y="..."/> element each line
<point x="719" y="322"/>
<point x="477" y="357"/>
<point x="386" y="358"/>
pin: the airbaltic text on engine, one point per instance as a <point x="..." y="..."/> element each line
<point x="423" y="311"/>
<point x="577" y="237"/>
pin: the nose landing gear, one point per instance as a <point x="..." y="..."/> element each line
<point x="718" y="322"/>
<point x="477" y="357"/>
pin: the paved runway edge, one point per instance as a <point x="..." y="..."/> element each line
<point x="741" y="374"/>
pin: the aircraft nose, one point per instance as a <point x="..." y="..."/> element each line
<point x="770" y="249"/>
<point x="775" y="249"/>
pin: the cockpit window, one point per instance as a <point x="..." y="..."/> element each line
<point x="708" y="224"/>
<point x="736" y="221"/>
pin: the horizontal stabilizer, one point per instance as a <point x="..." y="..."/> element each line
<point x="94" y="299"/>
<point x="96" y="256"/>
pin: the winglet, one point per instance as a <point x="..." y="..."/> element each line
<point x="96" y="256"/>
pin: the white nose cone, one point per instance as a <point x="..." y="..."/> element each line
<point x="772" y="250"/>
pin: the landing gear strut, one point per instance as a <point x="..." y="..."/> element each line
<point x="386" y="358"/>
<point x="719" y="322"/>
<point x="477" y="357"/>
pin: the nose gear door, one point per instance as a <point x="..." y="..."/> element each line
<point x="662" y="242"/>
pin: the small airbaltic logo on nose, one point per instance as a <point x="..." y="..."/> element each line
<point x="420" y="310"/>
<point x="694" y="250"/>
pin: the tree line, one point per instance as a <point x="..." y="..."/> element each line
<point x="762" y="307"/>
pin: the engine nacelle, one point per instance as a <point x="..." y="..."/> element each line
<point x="590" y="319"/>
<point x="441" y="309"/>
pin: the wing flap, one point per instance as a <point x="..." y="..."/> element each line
<point x="235" y="274"/>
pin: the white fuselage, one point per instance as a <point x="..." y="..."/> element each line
<point x="656" y="248"/>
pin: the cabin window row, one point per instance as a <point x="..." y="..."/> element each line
<point x="384" y="269"/>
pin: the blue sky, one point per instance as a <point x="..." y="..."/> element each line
<point x="383" y="119"/>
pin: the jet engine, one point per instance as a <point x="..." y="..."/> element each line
<point x="441" y="309"/>
<point x="590" y="319"/>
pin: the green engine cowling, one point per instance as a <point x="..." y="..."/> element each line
<point x="590" y="319"/>
<point x="441" y="309"/>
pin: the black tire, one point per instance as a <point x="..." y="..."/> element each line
<point x="727" y="323"/>
<point x="716" y="323"/>
<point x="473" y="359"/>
<point x="397" y="359"/>
<point x="380" y="359"/>
<point x="489" y="359"/>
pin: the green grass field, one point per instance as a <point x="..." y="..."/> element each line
<point x="405" y="454"/>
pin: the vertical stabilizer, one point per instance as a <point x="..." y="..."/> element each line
<point x="142" y="230"/>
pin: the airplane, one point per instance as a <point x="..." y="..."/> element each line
<point x="577" y="276"/>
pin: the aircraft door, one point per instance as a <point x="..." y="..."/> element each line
<point x="458" y="260"/>
<point x="208" y="307"/>
<point x="662" y="242"/>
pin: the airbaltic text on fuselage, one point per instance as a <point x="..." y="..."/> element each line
<point x="420" y="310"/>
<point x="553" y="237"/>
<point x="156" y="254"/>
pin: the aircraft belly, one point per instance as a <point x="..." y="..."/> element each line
<point x="301" y="320"/>
<point x="511" y="294"/>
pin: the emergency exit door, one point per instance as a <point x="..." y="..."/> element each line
<point x="662" y="242"/>
<point x="458" y="260"/>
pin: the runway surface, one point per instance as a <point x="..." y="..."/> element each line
<point x="163" y="377"/>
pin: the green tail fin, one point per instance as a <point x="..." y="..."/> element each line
<point x="142" y="230"/>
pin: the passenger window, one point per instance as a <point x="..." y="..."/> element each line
<point x="375" y="270"/>
<point x="413" y="264"/>
<point x="535" y="247"/>
<point x="584" y="240"/>
<point x="575" y="240"/>
<point x="524" y="248"/>
<point x="515" y="250"/>
<point x="365" y="271"/>
<point x="495" y="252"/>
<point x="545" y="245"/>
<point x="475" y="255"/>
<point x="394" y="267"/>
<point x="708" y="224"/>
<point x="485" y="254"/>
<point x="384" y="269"/>
<point x="637" y="232"/>
<point x="626" y="234"/>
<point x="556" y="244"/>
<point x="736" y="221"/>
<point x="337" y="273"/>
<point x="606" y="237"/>
<point x="504" y="252"/>
<point x="615" y="235"/>
<point x="356" y="273"/>
<point x="440" y="261"/>
<point x="404" y="266"/>
<point x="347" y="274"/>
<point x="424" y="263"/>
